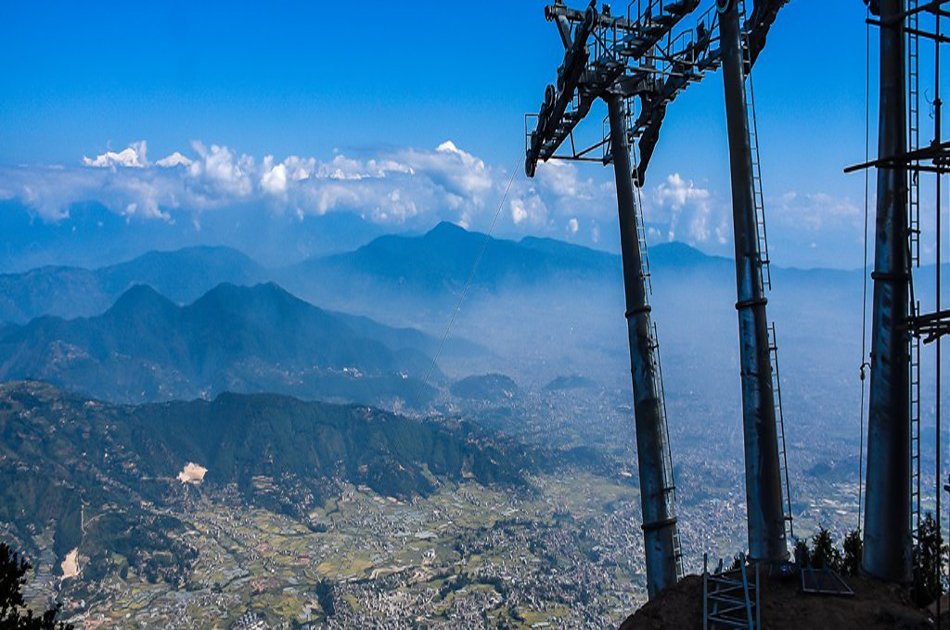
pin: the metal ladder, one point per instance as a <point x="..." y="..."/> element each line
<point x="780" y="432"/>
<point x="641" y="232"/>
<point x="913" y="244"/>
<point x="752" y="130"/>
<point x="677" y="546"/>
<point x="915" y="478"/>
<point x="730" y="600"/>
<point x="765" y="272"/>
<point x="637" y="197"/>
<point x="638" y="204"/>
<point x="913" y="129"/>
<point x="646" y="276"/>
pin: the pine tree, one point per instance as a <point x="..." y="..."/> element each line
<point x="802" y="554"/>
<point x="823" y="551"/>
<point x="13" y="613"/>
<point x="927" y="553"/>
<point x="853" y="551"/>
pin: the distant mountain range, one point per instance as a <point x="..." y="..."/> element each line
<point x="441" y="261"/>
<point x="243" y="339"/>
<point x="92" y="235"/>
<point x="182" y="276"/>
<point x="436" y="264"/>
<point x="556" y="305"/>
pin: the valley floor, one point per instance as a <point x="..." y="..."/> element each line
<point x="567" y="552"/>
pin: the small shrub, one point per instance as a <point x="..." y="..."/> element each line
<point x="927" y="554"/>
<point x="853" y="551"/>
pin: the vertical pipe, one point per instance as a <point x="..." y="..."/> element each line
<point x="655" y="467"/>
<point x="887" y="536"/>
<point x="766" y="520"/>
<point x="938" y="112"/>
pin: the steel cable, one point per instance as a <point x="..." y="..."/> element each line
<point x="471" y="275"/>
<point x="864" y="298"/>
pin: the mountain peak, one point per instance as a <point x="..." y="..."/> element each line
<point x="228" y="295"/>
<point x="140" y="298"/>
<point x="263" y="288"/>
<point x="446" y="228"/>
<point x="239" y="338"/>
<point x="676" y="253"/>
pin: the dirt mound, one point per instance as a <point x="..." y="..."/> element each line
<point x="875" y="605"/>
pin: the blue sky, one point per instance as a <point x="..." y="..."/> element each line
<point x="357" y="84"/>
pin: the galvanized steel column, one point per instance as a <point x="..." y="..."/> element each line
<point x="655" y="467"/>
<point x="766" y="519"/>
<point x="887" y="536"/>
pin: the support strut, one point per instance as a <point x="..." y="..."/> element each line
<point x="653" y="452"/>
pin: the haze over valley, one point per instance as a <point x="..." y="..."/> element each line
<point x="516" y="427"/>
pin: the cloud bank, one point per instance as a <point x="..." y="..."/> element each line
<point x="408" y="188"/>
<point x="400" y="187"/>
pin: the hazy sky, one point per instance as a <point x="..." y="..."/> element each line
<point x="406" y="112"/>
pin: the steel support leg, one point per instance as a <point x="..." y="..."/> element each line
<point x="655" y="467"/>
<point x="766" y="519"/>
<point x="887" y="536"/>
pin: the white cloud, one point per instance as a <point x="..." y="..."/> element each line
<point x="274" y="178"/>
<point x="561" y="178"/>
<point x="814" y="211"/>
<point x="678" y="191"/>
<point x="131" y="157"/>
<point x="412" y="188"/>
<point x="173" y="160"/>
<point x="566" y="193"/>
<point x="518" y="212"/>
<point x="390" y="187"/>
<point x="145" y="197"/>
<point x="299" y="169"/>
<point x="397" y="187"/>
<point x="223" y="171"/>
<point x="457" y="172"/>
<point x="688" y="213"/>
